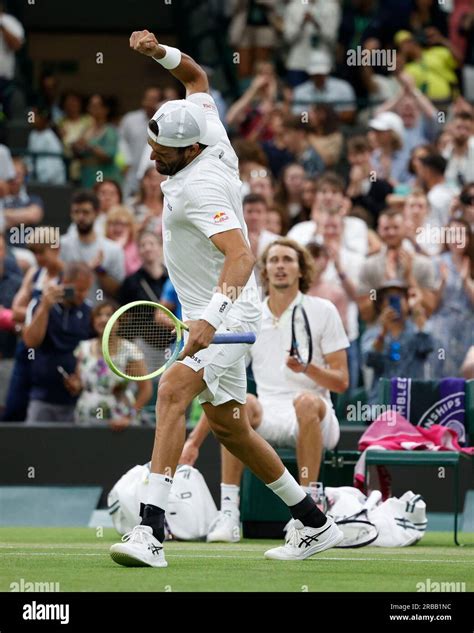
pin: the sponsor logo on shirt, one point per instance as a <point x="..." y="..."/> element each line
<point x="220" y="216"/>
<point x="169" y="206"/>
<point x="209" y="106"/>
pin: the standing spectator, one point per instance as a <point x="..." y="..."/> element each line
<point x="390" y="158"/>
<point x="460" y="152"/>
<point x="21" y="207"/>
<point x="255" y="211"/>
<point x="399" y="344"/>
<point x="97" y="148"/>
<point x="452" y="322"/>
<point x="147" y="206"/>
<point x="147" y="283"/>
<point x="250" y="115"/>
<point x="322" y="88"/>
<point x="104" y="397"/>
<point x="289" y="194"/>
<point x="10" y="282"/>
<point x="308" y="26"/>
<point x="104" y="257"/>
<point x="440" y="195"/>
<point x="297" y="141"/>
<point x="72" y="127"/>
<point x="56" y="327"/>
<point x="12" y="37"/>
<point x="43" y="140"/>
<point x="325" y="136"/>
<point x="366" y="189"/>
<point x="121" y="229"/>
<point x="252" y="32"/>
<point x="134" y="137"/>
<point x="394" y="262"/>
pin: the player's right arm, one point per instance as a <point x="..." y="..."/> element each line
<point x="188" y="72"/>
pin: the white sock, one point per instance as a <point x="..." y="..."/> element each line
<point x="229" y="498"/>
<point x="159" y="487"/>
<point x="288" y="489"/>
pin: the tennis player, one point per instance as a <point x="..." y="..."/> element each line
<point x="210" y="263"/>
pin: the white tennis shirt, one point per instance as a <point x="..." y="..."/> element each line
<point x="201" y="200"/>
<point x="269" y="353"/>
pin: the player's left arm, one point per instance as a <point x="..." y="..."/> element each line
<point x="238" y="266"/>
<point x="188" y="72"/>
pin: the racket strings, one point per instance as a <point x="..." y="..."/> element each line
<point x="142" y="340"/>
<point x="302" y="342"/>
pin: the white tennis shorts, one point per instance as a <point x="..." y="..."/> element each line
<point x="279" y="425"/>
<point x="224" y="366"/>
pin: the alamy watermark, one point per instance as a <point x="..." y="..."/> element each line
<point x="434" y="586"/>
<point x="366" y="412"/>
<point x="377" y="57"/>
<point x="49" y="235"/>
<point x="432" y="234"/>
<point x="25" y="585"/>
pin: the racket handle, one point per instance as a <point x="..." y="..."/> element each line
<point x="227" y="339"/>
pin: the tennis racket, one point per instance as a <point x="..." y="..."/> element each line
<point x="301" y="343"/>
<point x="358" y="530"/>
<point x="143" y="338"/>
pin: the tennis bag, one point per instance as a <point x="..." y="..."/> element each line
<point x="366" y="521"/>
<point x="191" y="508"/>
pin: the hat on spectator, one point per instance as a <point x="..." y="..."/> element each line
<point x="319" y="63"/>
<point x="388" y="121"/>
<point x="180" y="123"/>
<point x="403" y="36"/>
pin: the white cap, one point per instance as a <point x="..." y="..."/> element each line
<point x="319" y="63"/>
<point x="388" y="121"/>
<point x="180" y="123"/>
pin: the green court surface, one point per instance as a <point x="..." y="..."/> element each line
<point x="78" y="559"/>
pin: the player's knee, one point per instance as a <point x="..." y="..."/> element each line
<point x="169" y="395"/>
<point x="309" y="408"/>
<point x="254" y="410"/>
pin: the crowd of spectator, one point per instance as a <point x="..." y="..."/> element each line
<point x="370" y="167"/>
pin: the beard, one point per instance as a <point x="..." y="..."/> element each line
<point x="84" y="229"/>
<point x="171" y="168"/>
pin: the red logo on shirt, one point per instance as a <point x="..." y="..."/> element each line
<point x="220" y="216"/>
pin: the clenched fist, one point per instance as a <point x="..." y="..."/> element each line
<point x="145" y="43"/>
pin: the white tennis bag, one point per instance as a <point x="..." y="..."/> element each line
<point x="191" y="508"/>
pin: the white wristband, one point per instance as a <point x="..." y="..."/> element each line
<point x="217" y="309"/>
<point x="172" y="58"/>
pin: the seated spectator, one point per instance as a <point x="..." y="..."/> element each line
<point x="147" y="206"/>
<point x="48" y="270"/>
<point x="255" y="211"/>
<point x="97" y="148"/>
<point x="415" y="166"/>
<point x="462" y="35"/>
<point x="399" y="343"/>
<point x="426" y="13"/>
<point x="394" y="262"/>
<point x="330" y="197"/>
<point x="389" y="157"/>
<point x="308" y="26"/>
<point x="104" y="397"/>
<point x="460" y="151"/>
<point x="12" y="37"/>
<point x="366" y="189"/>
<point x="72" y="127"/>
<point x="325" y="289"/>
<point x="146" y="284"/>
<point x="49" y="96"/>
<point x="58" y="323"/>
<point x="121" y="229"/>
<point x="252" y="160"/>
<point x="273" y="221"/>
<point x="43" y="140"/>
<point x="21" y="207"/>
<point x="134" y="136"/>
<point x="418" y="235"/>
<point x="440" y="194"/>
<point x="433" y="67"/>
<point x="297" y="141"/>
<point x="275" y="148"/>
<point x="452" y="322"/>
<point x="110" y="195"/>
<point x="104" y="257"/>
<point x="293" y="407"/>
<point x="466" y="203"/>
<point x="289" y="195"/>
<point x="261" y="183"/>
<point x="10" y="282"/>
<point x="325" y="136"/>
<point x="308" y="196"/>
<point x="322" y="88"/>
<point x="250" y="115"/>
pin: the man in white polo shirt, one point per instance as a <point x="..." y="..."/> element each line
<point x="294" y="407"/>
<point x="210" y="264"/>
